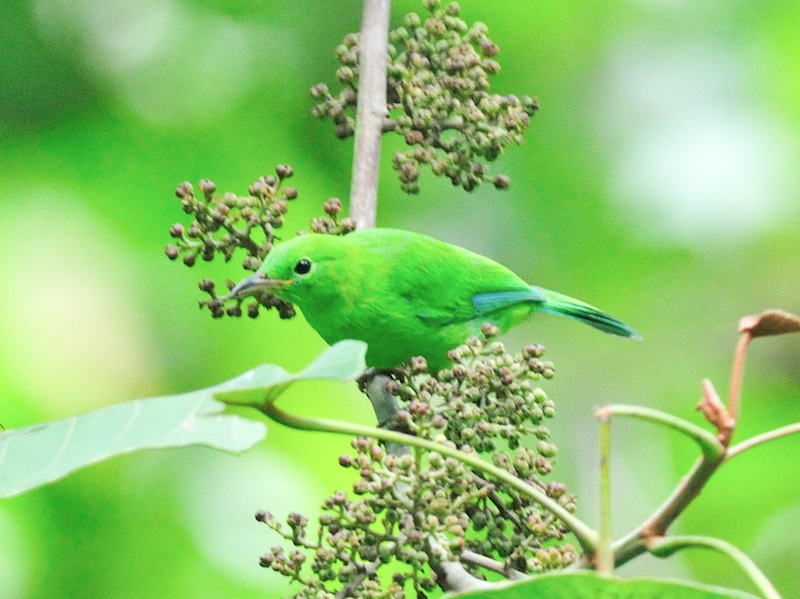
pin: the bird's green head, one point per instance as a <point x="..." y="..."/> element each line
<point x="301" y="269"/>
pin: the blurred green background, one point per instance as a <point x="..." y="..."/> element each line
<point x="661" y="181"/>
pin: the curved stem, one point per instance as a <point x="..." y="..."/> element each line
<point x="777" y="433"/>
<point x="585" y="535"/>
<point x="666" y="546"/>
<point x="712" y="449"/>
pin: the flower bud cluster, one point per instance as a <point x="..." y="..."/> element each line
<point x="224" y="224"/>
<point x="438" y="99"/>
<point x="410" y="513"/>
<point x="331" y="223"/>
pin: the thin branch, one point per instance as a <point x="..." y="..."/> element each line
<point x="632" y="545"/>
<point x="777" y="433"/>
<point x="487" y="563"/>
<point x="737" y="373"/>
<point x="370" y="112"/>
<point x="664" y="547"/>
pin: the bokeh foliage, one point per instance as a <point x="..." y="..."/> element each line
<point x="660" y="181"/>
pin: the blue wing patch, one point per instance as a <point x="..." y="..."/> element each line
<point x="485" y="303"/>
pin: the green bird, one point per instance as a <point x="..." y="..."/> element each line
<point x="405" y="294"/>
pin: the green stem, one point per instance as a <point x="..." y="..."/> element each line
<point x="712" y="449"/>
<point x="777" y="433"/>
<point x="666" y="546"/>
<point x="605" y="552"/>
<point x="585" y="535"/>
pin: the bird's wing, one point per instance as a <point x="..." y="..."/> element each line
<point x="481" y="305"/>
<point x="442" y="284"/>
<point x="488" y="302"/>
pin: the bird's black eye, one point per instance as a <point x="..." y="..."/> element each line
<point x="302" y="267"/>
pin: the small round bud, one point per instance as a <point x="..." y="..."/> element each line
<point x="284" y="171"/>
<point x="533" y="351"/>
<point x="418" y="364"/>
<point x="171" y="251"/>
<point x="184" y="190"/>
<point x="345" y="74"/>
<point x="546" y="449"/>
<point x="414" y="137"/>
<point x="333" y="206"/>
<point x="289" y="193"/>
<point x="350" y="40"/>
<point x="251" y="263"/>
<point x="207" y="186"/>
<point x="488" y="48"/>
<point x="502" y="182"/>
<point x="452" y="9"/>
<point x="190" y="259"/>
<point x="206" y="285"/>
<point x="490" y="330"/>
<point x="320" y="89"/>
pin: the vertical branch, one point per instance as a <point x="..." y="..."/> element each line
<point x="605" y="551"/>
<point x="737" y="373"/>
<point x="370" y="111"/>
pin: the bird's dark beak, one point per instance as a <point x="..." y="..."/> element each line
<point x="255" y="284"/>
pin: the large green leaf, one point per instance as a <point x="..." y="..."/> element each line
<point x="42" y="453"/>
<point x="589" y="585"/>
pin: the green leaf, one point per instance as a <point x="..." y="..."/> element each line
<point x="42" y="453"/>
<point x="590" y="585"/>
<point x="341" y="362"/>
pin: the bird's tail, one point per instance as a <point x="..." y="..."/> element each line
<point x="562" y="305"/>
